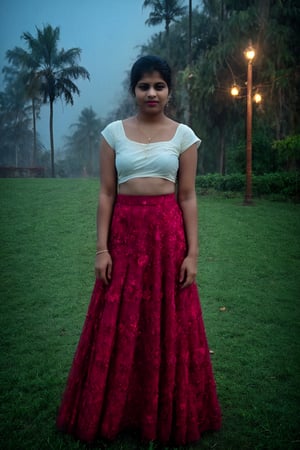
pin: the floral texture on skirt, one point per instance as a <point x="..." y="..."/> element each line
<point x="142" y="361"/>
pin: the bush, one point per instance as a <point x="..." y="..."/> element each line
<point x="285" y="185"/>
<point x="288" y="150"/>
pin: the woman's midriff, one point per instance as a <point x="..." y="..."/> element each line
<point x="147" y="186"/>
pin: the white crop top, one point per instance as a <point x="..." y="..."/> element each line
<point x="156" y="159"/>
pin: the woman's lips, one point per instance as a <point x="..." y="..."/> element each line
<point x="152" y="103"/>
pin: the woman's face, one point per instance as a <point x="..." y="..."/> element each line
<point x="151" y="93"/>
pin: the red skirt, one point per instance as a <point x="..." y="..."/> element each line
<point x="142" y="361"/>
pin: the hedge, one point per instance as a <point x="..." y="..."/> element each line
<point x="284" y="185"/>
<point x="22" y="172"/>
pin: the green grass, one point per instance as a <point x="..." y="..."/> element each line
<point x="249" y="264"/>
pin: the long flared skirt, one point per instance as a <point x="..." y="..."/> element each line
<point x="142" y="361"/>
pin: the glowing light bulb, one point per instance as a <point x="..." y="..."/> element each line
<point x="249" y="52"/>
<point x="257" y="98"/>
<point x="235" y="90"/>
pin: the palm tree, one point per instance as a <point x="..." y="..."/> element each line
<point x="166" y="11"/>
<point x="52" y="68"/>
<point x="83" y="145"/>
<point x="30" y="85"/>
<point x="15" y="131"/>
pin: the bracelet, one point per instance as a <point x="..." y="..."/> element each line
<point x="98" y="252"/>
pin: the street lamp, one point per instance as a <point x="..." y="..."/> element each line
<point x="249" y="54"/>
<point x="235" y="92"/>
<point x="257" y="97"/>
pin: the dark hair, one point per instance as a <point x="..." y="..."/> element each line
<point x="150" y="64"/>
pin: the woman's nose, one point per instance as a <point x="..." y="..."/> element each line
<point x="151" y="92"/>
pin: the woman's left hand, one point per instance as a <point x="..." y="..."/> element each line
<point x="188" y="271"/>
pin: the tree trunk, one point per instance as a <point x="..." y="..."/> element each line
<point x="190" y="34"/>
<point x="189" y="111"/>
<point x="222" y="151"/>
<point x="200" y="167"/>
<point x="51" y="140"/>
<point x="90" y="160"/>
<point x="34" y="153"/>
<point x="16" y="155"/>
<point x="168" y="40"/>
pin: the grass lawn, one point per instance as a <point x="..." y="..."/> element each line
<point x="249" y="280"/>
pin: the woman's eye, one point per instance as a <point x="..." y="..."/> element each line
<point x="157" y="87"/>
<point x="143" y="87"/>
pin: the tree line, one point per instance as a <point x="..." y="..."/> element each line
<point x="206" y="50"/>
<point x="204" y="46"/>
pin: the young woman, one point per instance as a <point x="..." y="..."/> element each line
<point x="143" y="361"/>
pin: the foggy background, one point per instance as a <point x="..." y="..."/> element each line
<point x="109" y="33"/>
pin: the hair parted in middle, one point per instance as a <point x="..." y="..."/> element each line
<point x="150" y="64"/>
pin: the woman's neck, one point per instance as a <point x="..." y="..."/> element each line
<point x="151" y="118"/>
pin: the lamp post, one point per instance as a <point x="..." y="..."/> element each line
<point x="235" y="92"/>
<point x="249" y="54"/>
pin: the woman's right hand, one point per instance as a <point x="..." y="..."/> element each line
<point x="103" y="267"/>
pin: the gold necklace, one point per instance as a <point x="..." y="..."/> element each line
<point x="146" y="136"/>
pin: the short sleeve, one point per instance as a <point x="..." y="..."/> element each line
<point x="109" y="134"/>
<point x="188" y="138"/>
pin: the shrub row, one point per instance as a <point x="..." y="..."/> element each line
<point x="22" y="172"/>
<point x="282" y="184"/>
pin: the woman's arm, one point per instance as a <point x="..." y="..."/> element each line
<point x="188" y="202"/>
<point x="107" y="194"/>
